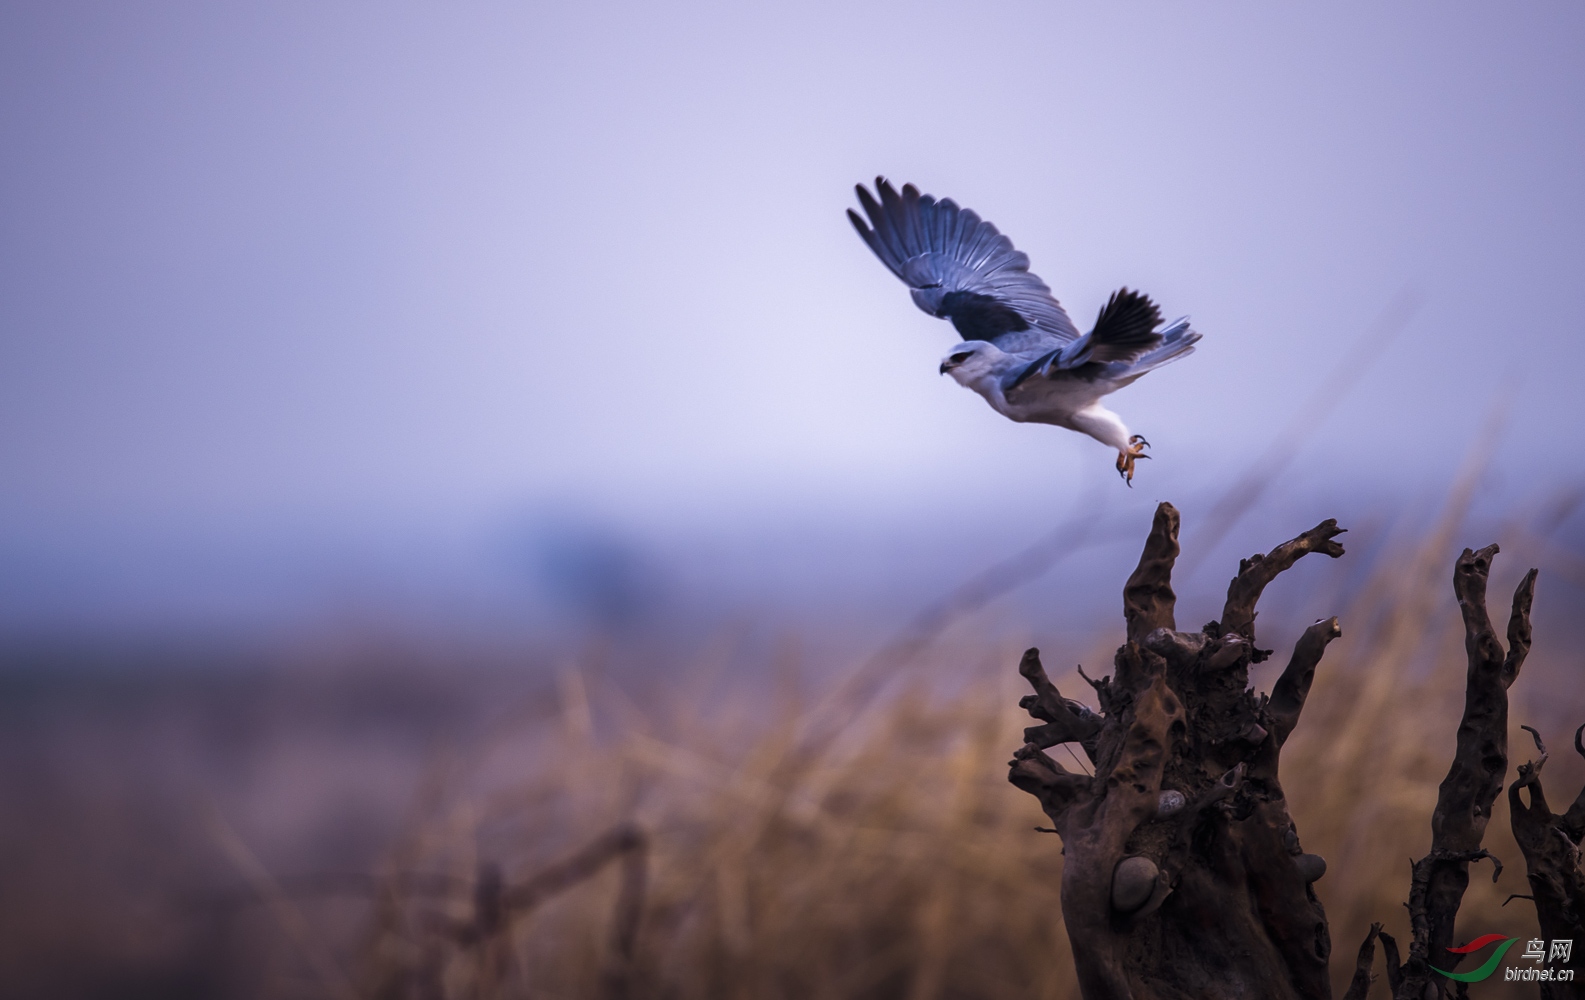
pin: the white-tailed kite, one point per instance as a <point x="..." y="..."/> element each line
<point x="1020" y="351"/>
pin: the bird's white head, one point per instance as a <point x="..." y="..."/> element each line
<point x="973" y="361"/>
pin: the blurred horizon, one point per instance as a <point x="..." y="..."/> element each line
<point x="495" y="320"/>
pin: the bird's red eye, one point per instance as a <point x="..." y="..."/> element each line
<point x="960" y="358"/>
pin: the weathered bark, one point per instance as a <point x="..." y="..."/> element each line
<point x="1465" y="797"/>
<point x="1254" y="573"/>
<point x="1359" y="986"/>
<point x="1183" y="875"/>
<point x="1550" y="844"/>
<point x="1148" y="600"/>
<point x="1067" y="721"/>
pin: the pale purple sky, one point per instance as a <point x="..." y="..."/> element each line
<point x="365" y="271"/>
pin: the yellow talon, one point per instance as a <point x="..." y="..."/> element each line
<point x="1126" y="459"/>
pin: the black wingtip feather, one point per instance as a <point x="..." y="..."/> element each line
<point x="885" y="239"/>
<point x="1126" y="327"/>
<point x="869" y="204"/>
<point x="875" y="240"/>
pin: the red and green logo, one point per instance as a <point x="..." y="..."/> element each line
<point x="1488" y="967"/>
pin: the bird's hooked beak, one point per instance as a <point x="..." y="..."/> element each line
<point x="947" y="366"/>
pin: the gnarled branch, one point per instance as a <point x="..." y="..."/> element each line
<point x="1480" y="761"/>
<point x="1148" y="600"/>
<point x="1551" y="856"/>
<point x="1359" y="986"/>
<point x="1058" y="789"/>
<point x="1574" y="820"/>
<point x="1288" y="694"/>
<point x="1254" y="573"/>
<point x="1066" y="721"/>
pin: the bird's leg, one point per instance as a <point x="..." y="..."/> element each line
<point x="1127" y="458"/>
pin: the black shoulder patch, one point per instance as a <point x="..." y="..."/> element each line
<point x="980" y="317"/>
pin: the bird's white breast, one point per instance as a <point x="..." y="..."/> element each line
<point x="1053" y="401"/>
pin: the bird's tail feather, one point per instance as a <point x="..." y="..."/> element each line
<point x="1177" y="341"/>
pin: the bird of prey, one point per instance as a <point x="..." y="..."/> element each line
<point x="1020" y="351"/>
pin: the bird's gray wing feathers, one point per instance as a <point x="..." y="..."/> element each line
<point x="1124" y="330"/>
<point x="1176" y="340"/>
<point x="1124" y="344"/>
<point x="962" y="268"/>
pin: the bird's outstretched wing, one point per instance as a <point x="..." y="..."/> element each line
<point x="961" y="268"/>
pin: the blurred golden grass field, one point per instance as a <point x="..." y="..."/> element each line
<point x="867" y="844"/>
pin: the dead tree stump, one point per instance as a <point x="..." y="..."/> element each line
<point x="1464" y="799"/>
<point x="1551" y="847"/>
<point x="1183" y="875"/>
